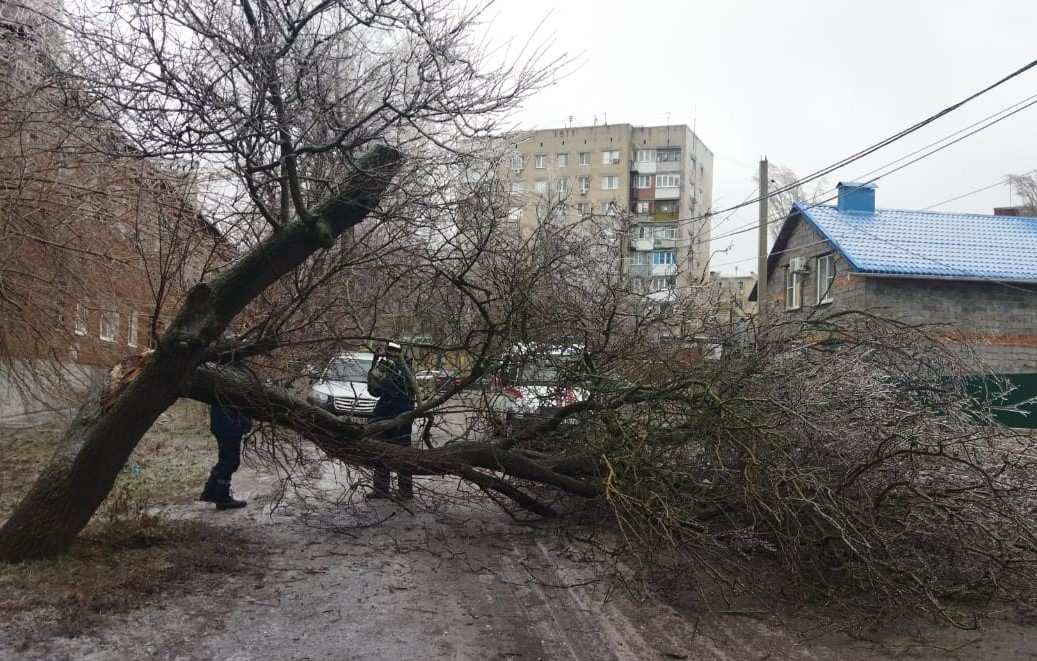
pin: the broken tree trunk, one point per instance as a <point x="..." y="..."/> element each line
<point x="116" y="415"/>
<point x="350" y="443"/>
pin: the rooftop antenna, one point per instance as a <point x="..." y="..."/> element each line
<point x="570" y="121"/>
<point x="595" y="120"/>
<point x="605" y="118"/>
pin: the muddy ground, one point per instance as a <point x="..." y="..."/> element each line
<point x="450" y="578"/>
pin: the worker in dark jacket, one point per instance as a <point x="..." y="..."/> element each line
<point x="397" y="396"/>
<point x="228" y="426"/>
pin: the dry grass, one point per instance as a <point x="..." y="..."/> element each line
<point x="114" y="568"/>
<point x="129" y="556"/>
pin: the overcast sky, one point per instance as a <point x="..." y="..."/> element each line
<point x="804" y="82"/>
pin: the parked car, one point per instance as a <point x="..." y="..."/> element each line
<point x="342" y="386"/>
<point x="531" y="386"/>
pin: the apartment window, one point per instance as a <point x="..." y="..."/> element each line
<point x="645" y="155"/>
<point x="585" y="158"/>
<point x="109" y="326"/>
<point x="825" y="278"/>
<point x="644" y="181"/>
<point x="668" y="282"/>
<point x="610" y="182"/>
<point x="608" y="208"/>
<point x="517" y="162"/>
<point x="667" y="180"/>
<point x="666" y="206"/>
<point x="583" y="208"/>
<point x="562" y="185"/>
<point x="660" y="257"/>
<point x="79" y="323"/>
<point x="793" y="289"/>
<point x="540" y="161"/>
<point x="666" y="233"/>
<point x="540" y="186"/>
<point x="131" y="330"/>
<point x="640" y="259"/>
<point x="514" y="213"/>
<point x="518" y="187"/>
<point x="670" y="155"/>
<point x="585" y="184"/>
<point x="644" y="232"/>
<point x="150" y="338"/>
<point x="610" y="157"/>
<point x="563" y="160"/>
<point x="643" y="206"/>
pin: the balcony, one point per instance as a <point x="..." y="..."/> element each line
<point x="673" y="193"/>
<point x="668" y="166"/>
<point x="664" y="215"/>
<point x="642" y="167"/>
<point x="660" y="243"/>
<point x="642" y="244"/>
<point x="663" y="270"/>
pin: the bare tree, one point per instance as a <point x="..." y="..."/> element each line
<point x="784" y="179"/>
<point x="1025" y="186"/>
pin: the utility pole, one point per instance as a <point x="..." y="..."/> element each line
<point x="761" y="258"/>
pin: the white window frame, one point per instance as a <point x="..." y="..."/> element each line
<point x="645" y="155"/>
<point x="610" y="157"/>
<point x="517" y="162"/>
<point x="515" y="213"/>
<point x="131" y="330"/>
<point x="562" y="185"/>
<point x="585" y="158"/>
<point x="518" y="187"/>
<point x="540" y="161"/>
<point x="825" y="278"/>
<point x="584" y="184"/>
<point x="667" y="181"/>
<point x="643" y="206"/>
<point x="664" y="257"/>
<point x="583" y="208"/>
<point x="79" y="322"/>
<point x="640" y="259"/>
<point x="793" y="289"/>
<point x="644" y="181"/>
<point x="609" y="182"/>
<point x="563" y="160"/>
<point x="669" y="233"/>
<point x="110" y="319"/>
<point x="540" y="187"/>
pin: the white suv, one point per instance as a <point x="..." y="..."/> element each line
<point x="342" y="386"/>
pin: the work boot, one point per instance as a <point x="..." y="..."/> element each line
<point x="211" y="492"/>
<point x="227" y="501"/>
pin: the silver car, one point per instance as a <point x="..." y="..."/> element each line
<point x="342" y="386"/>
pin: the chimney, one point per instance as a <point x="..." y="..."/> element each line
<point x="856" y="198"/>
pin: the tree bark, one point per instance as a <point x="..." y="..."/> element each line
<point x="116" y="415"/>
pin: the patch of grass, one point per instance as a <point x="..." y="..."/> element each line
<point x="113" y="568"/>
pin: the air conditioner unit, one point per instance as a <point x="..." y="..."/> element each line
<point x="798" y="264"/>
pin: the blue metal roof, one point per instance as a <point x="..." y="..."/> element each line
<point x="924" y="243"/>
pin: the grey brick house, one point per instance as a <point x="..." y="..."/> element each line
<point x="974" y="274"/>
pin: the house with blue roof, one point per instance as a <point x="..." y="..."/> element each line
<point x="973" y="274"/>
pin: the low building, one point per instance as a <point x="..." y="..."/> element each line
<point x="973" y="274"/>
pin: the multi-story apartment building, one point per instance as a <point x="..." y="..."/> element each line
<point x="655" y="181"/>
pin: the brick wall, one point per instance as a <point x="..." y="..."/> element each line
<point x="999" y="321"/>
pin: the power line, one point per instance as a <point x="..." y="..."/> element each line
<point x="1000" y="182"/>
<point x="752" y="226"/>
<point x="878" y="145"/>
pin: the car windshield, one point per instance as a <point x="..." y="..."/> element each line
<point x="348" y="369"/>
<point x="532" y="372"/>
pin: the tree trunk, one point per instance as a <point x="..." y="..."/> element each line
<point x="116" y="415"/>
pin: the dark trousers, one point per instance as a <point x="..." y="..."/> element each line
<point x="399" y="436"/>
<point x="228" y="457"/>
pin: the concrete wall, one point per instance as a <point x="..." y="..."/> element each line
<point x="999" y="321"/>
